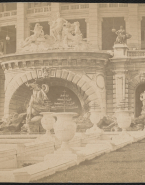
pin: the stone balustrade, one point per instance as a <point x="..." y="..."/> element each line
<point x="136" y="53"/>
<point x="112" y="5"/>
<point x="74" y="6"/>
<point x="8" y="13"/>
<point x="38" y="10"/>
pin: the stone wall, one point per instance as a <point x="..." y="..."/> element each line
<point x="2" y="92"/>
<point x="20" y="99"/>
<point x="109" y="91"/>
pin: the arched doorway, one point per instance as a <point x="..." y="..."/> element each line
<point x="138" y="103"/>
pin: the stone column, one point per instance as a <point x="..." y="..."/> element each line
<point x="22" y="25"/>
<point x="93" y="24"/>
<point x="133" y="26"/>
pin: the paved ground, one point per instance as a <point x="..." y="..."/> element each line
<point x="124" y="165"/>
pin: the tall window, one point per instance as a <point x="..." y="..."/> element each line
<point x="109" y="37"/>
<point x="2" y="7"/>
<point x="7" y="6"/>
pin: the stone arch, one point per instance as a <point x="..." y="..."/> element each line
<point x="132" y="86"/>
<point x="82" y="82"/>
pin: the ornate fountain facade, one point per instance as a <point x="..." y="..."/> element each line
<point x="63" y="58"/>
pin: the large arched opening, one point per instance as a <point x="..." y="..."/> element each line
<point x="57" y="87"/>
<point x="138" y="103"/>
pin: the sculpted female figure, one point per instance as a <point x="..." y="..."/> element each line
<point x="56" y="27"/>
<point x="36" y="104"/>
<point x="38" y="32"/>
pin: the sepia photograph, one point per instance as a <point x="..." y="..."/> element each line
<point x="72" y="92"/>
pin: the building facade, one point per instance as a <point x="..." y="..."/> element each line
<point x="96" y="76"/>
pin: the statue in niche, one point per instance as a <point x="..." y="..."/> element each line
<point x="37" y="102"/>
<point x="122" y="36"/>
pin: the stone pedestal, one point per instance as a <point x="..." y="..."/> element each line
<point x="120" y="50"/>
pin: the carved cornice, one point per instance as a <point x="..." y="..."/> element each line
<point x="119" y="71"/>
<point x="57" y="59"/>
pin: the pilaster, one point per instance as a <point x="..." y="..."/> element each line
<point x="22" y="25"/>
<point x="120" y="85"/>
<point x="133" y="26"/>
<point x="93" y="24"/>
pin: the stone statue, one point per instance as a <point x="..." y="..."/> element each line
<point x="122" y="36"/>
<point x="13" y="123"/>
<point x="56" y="27"/>
<point x="37" y="101"/>
<point x="63" y="35"/>
<point x="71" y="34"/>
<point x="38" y="33"/>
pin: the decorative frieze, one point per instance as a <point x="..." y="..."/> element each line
<point x="54" y="62"/>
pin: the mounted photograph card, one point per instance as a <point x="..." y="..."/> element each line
<point x="72" y="92"/>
